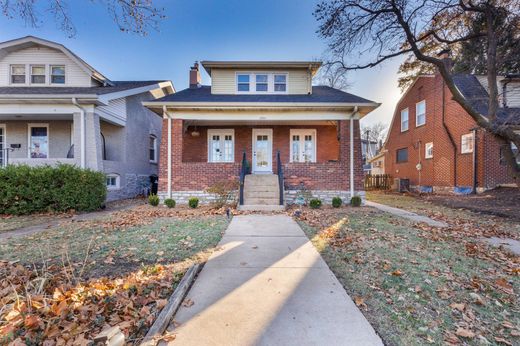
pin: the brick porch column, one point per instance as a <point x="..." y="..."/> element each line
<point x="344" y="154"/>
<point x="177" y="146"/>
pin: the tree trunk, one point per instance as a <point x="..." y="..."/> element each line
<point x="492" y="65"/>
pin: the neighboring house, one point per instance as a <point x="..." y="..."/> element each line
<point x="377" y="163"/>
<point x="437" y="145"/>
<point x="258" y="109"/>
<point x="368" y="150"/>
<point x="55" y="108"/>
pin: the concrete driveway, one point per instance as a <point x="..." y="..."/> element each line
<point x="267" y="285"/>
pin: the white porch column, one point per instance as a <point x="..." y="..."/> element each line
<point x="77" y="129"/>
<point x="169" y="157"/>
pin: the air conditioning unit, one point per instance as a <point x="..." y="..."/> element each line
<point x="401" y="185"/>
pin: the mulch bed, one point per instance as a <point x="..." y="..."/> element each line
<point x="504" y="202"/>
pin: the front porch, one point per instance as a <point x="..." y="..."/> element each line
<point x="315" y="156"/>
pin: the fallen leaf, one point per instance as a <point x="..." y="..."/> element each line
<point x="187" y="302"/>
<point x="397" y="272"/>
<point x="465" y="333"/>
<point x="458" y="306"/>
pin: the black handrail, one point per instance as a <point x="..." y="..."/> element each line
<point x="243" y="172"/>
<point x="280" y="175"/>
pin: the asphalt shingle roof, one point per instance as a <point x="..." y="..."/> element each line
<point x="319" y="94"/>
<point x="101" y="90"/>
<point x="477" y="95"/>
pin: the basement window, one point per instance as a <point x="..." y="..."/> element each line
<point x="112" y="181"/>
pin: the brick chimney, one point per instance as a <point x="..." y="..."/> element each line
<point x="195" y="76"/>
<point x="445" y="56"/>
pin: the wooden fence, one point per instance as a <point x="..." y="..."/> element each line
<point x="378" y="181"/>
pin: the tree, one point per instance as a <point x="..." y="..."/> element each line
<point x="136" y="16"/>
<point x="469" y="56"/>
<point x="376" y="133"/>
<point x="334" y="76"/>
<point x="385" y="29"/>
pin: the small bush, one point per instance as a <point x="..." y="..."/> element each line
<point x="170" y="203"/>
<point x="224" y="191"/>
<point x="27" y="190"/>
<point x="355" y="201"/>
<point x="193" y="202"/>
<point x="153" y="200"/>
<point x="315" y="203"/>
<point x="337" y="202"/>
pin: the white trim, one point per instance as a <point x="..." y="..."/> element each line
<point x="417" y="113"/>
<point x="3" y="153"/>
<point x="154" y="148"/>
<point x="135" y="91"/>
<point x="221" y="133"/>
<point x="118" y="183"/>
<point x="29" y="127"/>
<point x="352" y="156"/>
<point x="407" y="119"/>
<point x="169" y="189"/>
<point x="269" y="133"/>
<point x="302" y="133"/>
<point x="427" y="146"/>
<point x="270" y="82"/>
<point x="470" y="140"/>
<point x="261" y="116"/>
<point x="187" y="104"/>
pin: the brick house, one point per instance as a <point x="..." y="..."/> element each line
<point x="255" y="110"/>
<point x="435" y="144"/>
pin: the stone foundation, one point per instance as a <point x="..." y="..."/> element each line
<point x="134" y="185"/>
<point x="182" y="197"/>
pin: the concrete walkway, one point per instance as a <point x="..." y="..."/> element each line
<point x="267" y="285"/>
<point x="406" y="214"/>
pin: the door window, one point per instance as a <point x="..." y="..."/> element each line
<point x="262" y="151"/>
<point x="303" y="145"/>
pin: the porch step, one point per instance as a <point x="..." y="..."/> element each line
<point x="252" y="207"/>
<point x="261" y="189"/>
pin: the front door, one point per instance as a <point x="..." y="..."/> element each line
<point x="262" y="150"/>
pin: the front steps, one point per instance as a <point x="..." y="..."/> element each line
<point x="261" y="193"/>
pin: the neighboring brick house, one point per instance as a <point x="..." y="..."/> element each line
<point x="260" y="108"/>
<point x="56" y="108"/>
<point x="431" y="138"/>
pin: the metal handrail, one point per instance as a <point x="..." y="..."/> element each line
<point x="280" y="175"/>
<point x="243" y="172"/>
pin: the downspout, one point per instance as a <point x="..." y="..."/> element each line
<point x="83" y="150"/>
<point x="352" y="151"/>
<point x="452" y="140"/>
<point x="475" y="161"/>
<point x="169" y="152"/>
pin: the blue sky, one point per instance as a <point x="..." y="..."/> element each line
<point x="206" y="30"/>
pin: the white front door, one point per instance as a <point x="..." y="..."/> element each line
<point x="262" y="150"/>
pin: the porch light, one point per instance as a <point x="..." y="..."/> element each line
<point x="195" y="133"/>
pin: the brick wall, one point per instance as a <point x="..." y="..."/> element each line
<point x="191" y="171"/>
<point x="448" y="163"/>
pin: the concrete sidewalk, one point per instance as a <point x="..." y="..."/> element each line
<point x="406" y="214"/>
<point x="267" y="285"/>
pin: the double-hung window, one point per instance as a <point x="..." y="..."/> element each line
<point x="303" y="145"/>
<point x="420" y="113"/>
<point x="37" y="74"/>
<point x="243" y="82"/>
<point x="428" y="150"/>
<point x="38" y="141"/>
<point x="466" y="143"/>
<point x="221" y="145"/>
<point x="280" y="82"/>
<point x="262" y="82"/>
<point x="17" y="74"/>
<point x="404" y="120"/>
<point x="57" y="74"/>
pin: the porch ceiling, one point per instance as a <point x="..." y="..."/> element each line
<point x="35" y="117"/>
<point x="257" y="122"/>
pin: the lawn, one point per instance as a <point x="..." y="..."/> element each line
<point x="68" y="283"/>
<point x="417" y="284"/>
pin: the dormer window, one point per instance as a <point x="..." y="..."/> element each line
<point x="17" y="74"/>
<point x="262" y="82"/>
<point x="243" y="82"/>
<point x="38" y="74"/>
<point x="280" y="82"/>
<point x="57" y="74"/>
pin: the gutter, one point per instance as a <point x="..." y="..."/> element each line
<point x="352" y="191"/>
<point x="169" y="189"/>
<point x="82" y="133"/>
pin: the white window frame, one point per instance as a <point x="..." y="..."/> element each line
<point x="406" y="110"/>
<point x="3" y="154"/>
<point x="302" y="133"/>
<point x="221" y="133"/>
<point x="44" y="74"/>
<point x="270" y="82"/>
<point x="117" y="185"/>
<point x="11" y="74"/>
<point x="417" y="124"/>
<point x="29" y="127"/>
<point x="64" y="76"/>
<point x="467" y="143"/>
<point x="428" y="150"/>
<point x="154" y="137"/>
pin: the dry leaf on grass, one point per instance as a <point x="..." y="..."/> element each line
<point x="465" y="333"/>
